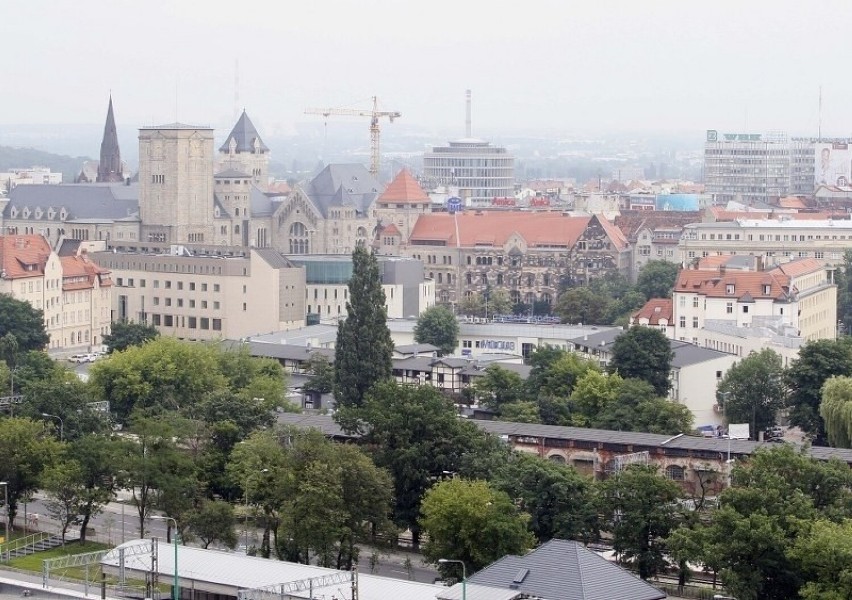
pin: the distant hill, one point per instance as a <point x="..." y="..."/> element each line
<point x="22" y="158"/>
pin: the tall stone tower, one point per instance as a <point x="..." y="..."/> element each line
<point x="176" y="184"/>
<point x="110" y="168"/>
<point x="244" y="151"/>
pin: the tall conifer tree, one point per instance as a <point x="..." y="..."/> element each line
<point x="364" y="349"/>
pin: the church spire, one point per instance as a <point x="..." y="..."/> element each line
<point x="109" y="169"/>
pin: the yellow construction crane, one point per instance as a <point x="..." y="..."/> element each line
<point x="374" y="115"/>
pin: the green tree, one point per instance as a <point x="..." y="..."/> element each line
<point x="99" y="458"/>
<point x="214" y="522"/>
<point x="635" y="407"/>
<point x="593" y="392"/>
<point x="554" y="372"/>
<point x="362" y="355"/>
<point x="472" y="522"/>
<point x="58" y="391"/>
<point x="415" y="433"/>
<point x="843" y="279"/>
<point x="824" y="553"/>
<point x="559" y="500"/>
<point x="836" y="411"/>
<point x="26" y="451"/>
<point x="61" y="483"/>
<point x="124" y="334"/>
<point x="24" y="324"/>
<point x="581" y="305"/>
<point x="752" y="390"/>
<point x="643" y="353"/>
<point x="498" y="386"/>
<point x="437" y="325"/>
<point x="150" y="463"/>
<point x="321" y="379"/>
<point x="333" y="496"/>
<point x="258" y="465"/>
<point x="639" y="510"/>
<point x="750" y="536"/>
<point x="817" y="362"/>
<point x="657" y="279"/>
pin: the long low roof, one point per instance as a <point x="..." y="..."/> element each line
<point x="682" y="442"/>
<point x="232" y="572"/>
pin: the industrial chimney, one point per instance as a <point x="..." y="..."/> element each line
<point x="467" y="116"/>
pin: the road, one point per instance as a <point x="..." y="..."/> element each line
<point x="119" y="522"/>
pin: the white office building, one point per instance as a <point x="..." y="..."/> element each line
<point x="480" y="171"/>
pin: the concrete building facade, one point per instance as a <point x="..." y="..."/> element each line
<point x="747" y="167"/>
<point x="205" y="297"/>
<point x="480" y="171"/>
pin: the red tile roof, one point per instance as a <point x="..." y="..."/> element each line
<point x="404" y="189"/>
<point x="80" y="273"/>
<point x="23" y="255"/>
<point x="615" y="234"/>
<point x="391" y="229"/>
<point x="714" y="284"/>
<point x="631" y="221"/>
<point x="495" y="228"/>
<point x="802" y="266"/>
<point x="656" y="309"/>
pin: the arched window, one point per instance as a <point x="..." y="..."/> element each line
<point x="299" y="242"/>
<point x="546" y="298"/>
<point x="361" y="237"/>
<point x="557" y="458"/>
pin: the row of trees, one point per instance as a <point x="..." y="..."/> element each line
<point x="566" y="389"/>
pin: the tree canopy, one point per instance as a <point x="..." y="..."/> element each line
<point x="752" y="390"/>
<point x="437" y="325"/>
<point x="657" y="279"/>
<point x="643" y="353"/>
<point x="472" y="522"/>
<point x="362" y="355"/>
<point x="817" y="361"/>
<point x="836" y="411"/>
<point x="124" y="334"/>
<point x="21" y="328"/>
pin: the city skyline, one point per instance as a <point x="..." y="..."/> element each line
<point x="555" y="67"/>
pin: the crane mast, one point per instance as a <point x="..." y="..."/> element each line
<point x="375" y="131"/>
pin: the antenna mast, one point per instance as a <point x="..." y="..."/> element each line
<point x="467" y="121"/>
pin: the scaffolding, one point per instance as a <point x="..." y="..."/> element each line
<point x="619" y="463"/>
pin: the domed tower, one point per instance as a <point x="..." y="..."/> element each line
<point x="244" y="151"/>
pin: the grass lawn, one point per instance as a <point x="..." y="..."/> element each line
<point x="33" y="561"/>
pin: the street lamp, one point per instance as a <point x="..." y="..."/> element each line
<point x="445" y="561"/>
<point x="61" y="425"/>
<point x="245" y="520"/>
<point x="175" y="585"/>
<point x="5" y="485"/>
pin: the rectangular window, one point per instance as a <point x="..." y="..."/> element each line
<point x="729" y="308"/>
<point x="204" y="304"/>
<point x="155" y="320"/>
<point x="217" y="324"/>
<point x="180" y="285"/>
<point x="192" y="324"/>
<point x="191" y="286"/>
<point x="683" y="321"/>
<point x="695" y="302"/>
<point x="695" y="322"/>
<point x="203" y="287"/>
<point x="192" y="304"/>
<point x="168" y="301"/>
<point x="215" y="305"/>
<point x="168" y="285"/>
<point x="215" y="287"/>
<point x="168" y="320"/>
<point x="205" y="323"/>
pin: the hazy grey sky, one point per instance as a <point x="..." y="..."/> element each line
<point x="563" y="65"/>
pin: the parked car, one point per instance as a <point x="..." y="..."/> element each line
<point x="78" y="358"/>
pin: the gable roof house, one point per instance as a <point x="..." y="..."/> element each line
<point x="556" y="570"/>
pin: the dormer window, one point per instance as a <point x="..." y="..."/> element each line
<point x="14" y="212"/>
<point x="729" y="289"/>
<point x="26" y="213"/>
<point x="38" y="213"/>
<point x="766" y="290"/>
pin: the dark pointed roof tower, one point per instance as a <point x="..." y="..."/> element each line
<point x="109" y="169"/>
<point x="245" y="138"/>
